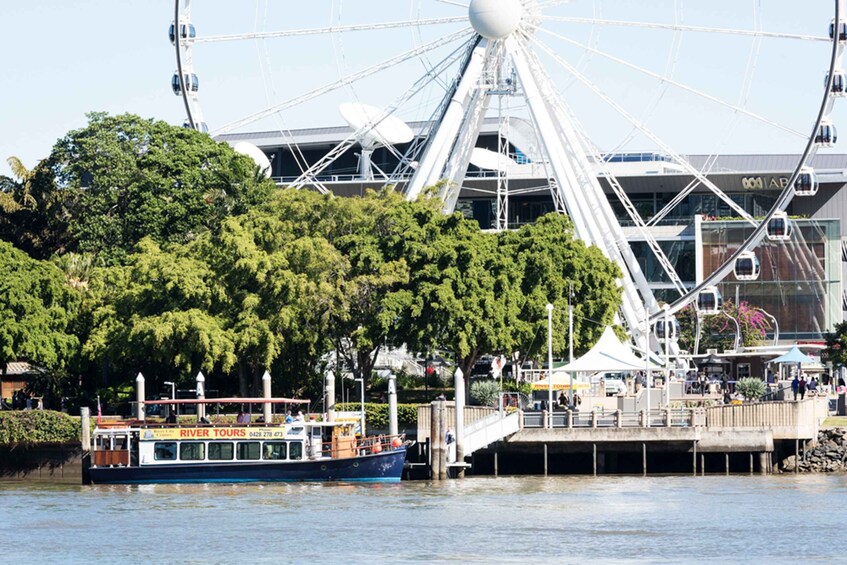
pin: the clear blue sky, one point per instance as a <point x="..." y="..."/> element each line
<point x="65" y="58"/>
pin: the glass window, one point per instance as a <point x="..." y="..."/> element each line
<point x="295" y="450"/>
<point x="220" y="451"/>
<point x="194" y="451"/>
<point x="743" y="370"/>
<point x="164" y="451"/>
<point x="248" y="450"/>
<point x="274" y="450"/>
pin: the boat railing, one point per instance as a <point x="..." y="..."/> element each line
<point x="351" y="446"/>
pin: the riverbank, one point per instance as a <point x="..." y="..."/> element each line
<point x="827" y="455"/>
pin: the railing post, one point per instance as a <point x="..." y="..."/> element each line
<point x="544" y="419"/>
<point x="643" y="419"/>
<point x="618" y="418"/>
<point x="570" y="419"/>
<point x="668" y="419"/>
<point x="593" y="419"/>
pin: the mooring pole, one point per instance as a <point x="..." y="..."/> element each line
<point x="393" y="427"/>
<point x="266" y="392"/>
<point x="85" y="417"/>
<point x="201" y="395"/>
<point x="437" y="440"/>
<point x="459" y="382"/>
<point x="139" y="397"/>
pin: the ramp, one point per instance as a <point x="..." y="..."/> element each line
<point x="486" y="431"/>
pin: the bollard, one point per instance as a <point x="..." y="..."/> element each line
<point x="139" y="397"/>
<point x="266" y="393"/>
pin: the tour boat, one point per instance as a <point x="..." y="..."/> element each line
<point x="138" y="452"/>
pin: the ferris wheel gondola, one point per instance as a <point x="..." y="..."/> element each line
<point x="475" y="56"/>
<point x="747" y="267"/>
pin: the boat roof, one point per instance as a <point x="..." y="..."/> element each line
<point x="235" y="400"/>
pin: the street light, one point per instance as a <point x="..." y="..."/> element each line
<point x="173" y="393"/>
<point x="550" y="365"/>
<point x="361" y="381"/>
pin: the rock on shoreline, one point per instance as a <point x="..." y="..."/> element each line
<point x="826" y="455"/>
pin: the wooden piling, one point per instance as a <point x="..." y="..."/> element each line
<point x="437" y="438"/>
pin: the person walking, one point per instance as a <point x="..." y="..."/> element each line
<point x="801" y="387"/>
<point x="795" y="386"/>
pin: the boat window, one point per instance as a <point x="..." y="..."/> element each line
<point x="295" y="450"/>
<point x="164" y="451"/>
<point x="247" y="450"/>
<point x="220" y="451"/>
<point x="274" y="450"/>
<point x="194" y="451"/>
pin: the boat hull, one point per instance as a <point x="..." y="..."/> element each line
<point x="381" y="467"/>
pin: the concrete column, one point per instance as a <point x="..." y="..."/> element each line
<point x="329" y="396"/>
<point x="85" y="417"/>
<point x="751" y="462"/>
<point x="702" y="464"/>
<point x="594" y="451"/>
<point x="796" y="455"/>
<point x="201" y="395"/>
<point x="763" y="463"/>
<point x="393" y="428"/>
<point x="459" y="382"/>
<point x="545" y="459"/>
<point x="694" y="457"/>
<point x="437" y="440"/>
<point x="267" y="411"/>
<point x="727" y="463"/>
<point x="644" y="458"/>
<point x="140" y="396"/>
<point x="496" y="463"/>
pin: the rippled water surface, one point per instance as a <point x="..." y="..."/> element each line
<point x="564" y="519"/>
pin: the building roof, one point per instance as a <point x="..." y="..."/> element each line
<point x="19" y="368"/>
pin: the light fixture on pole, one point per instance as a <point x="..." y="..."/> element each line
<point x="173" y="393"/>
<point x="549" y="365"/>
<point x="570" y="338"/>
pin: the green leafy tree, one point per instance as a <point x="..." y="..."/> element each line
<point x="557" y="268"/>
<point x="123" y="178"/>
<point x="836" y="345"/>
<point x="37" y="308"/>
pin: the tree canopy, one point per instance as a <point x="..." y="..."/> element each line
<point x="154" y="249"/>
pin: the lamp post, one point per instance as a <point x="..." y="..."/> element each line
<point x="362" y="391"/>
<point x="550" y="365"/>
<point x="570" y="338"/>
<point x="173" y="393"/>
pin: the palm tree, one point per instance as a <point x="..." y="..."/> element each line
<point x="16" y="191"/>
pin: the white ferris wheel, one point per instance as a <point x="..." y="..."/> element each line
<point x="568" y="84"/>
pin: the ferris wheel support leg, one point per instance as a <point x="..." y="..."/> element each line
<point x="592" y="223"/>
<point x="431" y="167"/>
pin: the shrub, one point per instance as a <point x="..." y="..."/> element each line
<point x="750" y="388"/>
<point x="485" y="393"/>
<point x="376" y="415"/>
<point x="38" y="426"/>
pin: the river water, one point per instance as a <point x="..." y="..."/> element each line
<point x="569" y="519"/>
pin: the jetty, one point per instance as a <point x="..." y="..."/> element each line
<point x="748" y="437"/>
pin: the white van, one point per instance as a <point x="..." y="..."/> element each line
<point x="615" y="382"/>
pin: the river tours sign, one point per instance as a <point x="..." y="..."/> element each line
<point x="174" y="434"/>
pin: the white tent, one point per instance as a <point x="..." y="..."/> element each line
<point x="608" y="354"/>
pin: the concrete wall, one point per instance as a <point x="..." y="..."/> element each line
<point x="51" y="463"/>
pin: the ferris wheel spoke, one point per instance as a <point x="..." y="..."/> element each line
<point x="427" y="79"/>
<point x="676" y="157"/>
<point x="453" y="3"/>
<point x="668" y="80"/>
<point x="331" y="30"/>
<point x="344" y="81"/>
<point x="678" y="27"/>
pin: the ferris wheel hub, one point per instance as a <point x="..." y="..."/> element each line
<point x="495" y="19"/>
